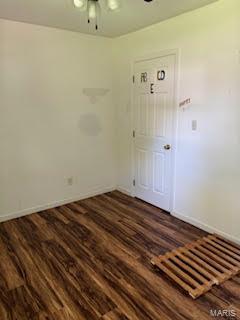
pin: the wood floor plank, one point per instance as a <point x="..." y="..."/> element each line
<point x="161" y="223"/>
<point x="115" y="315"/>
<point x="91" y="260"/>
<point x="89" y="290"/>
<point x="8" y="271"/>
<point x="34" y="277"/>
<point x="117" y="269"/>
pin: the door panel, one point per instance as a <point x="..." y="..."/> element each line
<point x="143" y="114"/>
<point x="143" y="168"/>
<point x="158" y="170"/>
<point x="153" y="118"/>
<point x="160" y="106"/>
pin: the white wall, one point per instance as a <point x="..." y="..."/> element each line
<point x="207" y="190"/>
<point x="49" y="130"/>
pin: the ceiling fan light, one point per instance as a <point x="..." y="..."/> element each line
<point x="80" y="4"/>
<point x="113" y="5"/>
<point x="92" y="9"/>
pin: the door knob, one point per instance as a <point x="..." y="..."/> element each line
<point x="167" y="147"/>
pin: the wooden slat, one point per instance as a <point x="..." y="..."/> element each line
<point x="204" y="264"/>
<point x="182" y="274"/>
<point x="234" y="255"/>
<point x="208" y="259"/>
<point x="172" y="275"/>
<point x="200" y="264"/>
<point x="224" y="256"/>
<point x="235" y="245"/>
<point x="194" y="293"/>
<point x="214" y="256"/>
<point x="189" y="269"/>
<point x="224" y="273"/>
<point x="222" y="243"/>
<point x="198" y="267"/>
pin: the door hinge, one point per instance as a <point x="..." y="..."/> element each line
<point x="134" y="182"/>
<point x="133" y="79"/>
<point x="134" y="134"/>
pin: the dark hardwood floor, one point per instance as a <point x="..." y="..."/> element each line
<point x="91" y="260"/>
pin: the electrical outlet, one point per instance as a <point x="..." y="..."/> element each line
<point x="70" y="181"/>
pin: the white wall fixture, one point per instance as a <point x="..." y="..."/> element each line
<point x="95" y="93"/>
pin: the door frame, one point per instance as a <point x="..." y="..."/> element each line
<point x="160" y="54"/>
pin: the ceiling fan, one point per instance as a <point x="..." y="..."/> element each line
<point x="93" y="8"/>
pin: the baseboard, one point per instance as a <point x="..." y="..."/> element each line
<point x="54" y="204"/>
<point x="205" y="227"/>
<point x="124" y="190"/>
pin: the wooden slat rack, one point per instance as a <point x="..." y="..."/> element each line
<point x="199" y="265"/>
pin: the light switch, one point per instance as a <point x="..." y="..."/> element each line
<point x="194" y="125"/>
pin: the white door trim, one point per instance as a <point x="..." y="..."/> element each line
<point x="176" y="53"/>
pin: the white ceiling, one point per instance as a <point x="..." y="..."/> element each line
<point x="134" y="14"/>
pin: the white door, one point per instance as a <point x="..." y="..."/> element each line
<point x="154" y="131"/>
